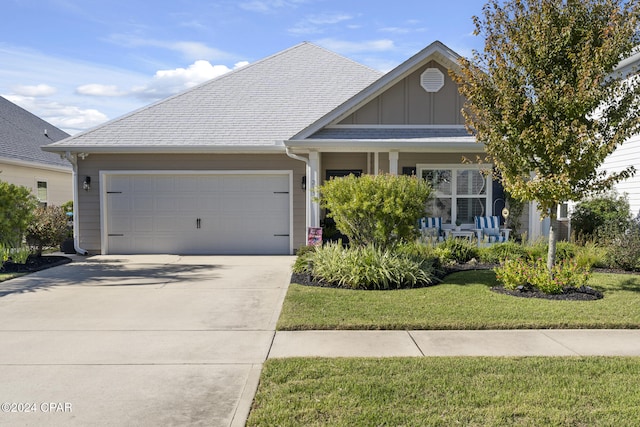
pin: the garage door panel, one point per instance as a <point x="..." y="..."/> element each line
<point x="122" y="223"/>
<point x="142" y="203"/>
<point x="142" y="184"/>
<point x="142" y="224"/>
<point x="199" y="214"/>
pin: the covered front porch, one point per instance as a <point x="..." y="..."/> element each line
<point x="444" y="156"/>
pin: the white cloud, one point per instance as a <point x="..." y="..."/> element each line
<point x="169" y="82"/>
<point x="96" y="89"/>
<point x="314" y="24"/>
<point x="190" y="50"/>
<point x="267" y="6"/>
<point x="194" y="50"/>
<point x="395" y="30"/>
<point x="69" y="118"/>
<point x="329" y="18"/>
<point x="34" y="90"/>
<point x="346" y="47"/>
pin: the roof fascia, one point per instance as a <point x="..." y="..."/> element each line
<point x="629" y="65"/>
<point x="35" y="165"/>
<point x="168" y="149"/>
<point x="435" y="51"/>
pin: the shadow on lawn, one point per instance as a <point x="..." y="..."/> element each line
<point x="632" y="285"/>
<point x="470" y="276"/>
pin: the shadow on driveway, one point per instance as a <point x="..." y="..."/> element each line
<point x="111" y="272"/>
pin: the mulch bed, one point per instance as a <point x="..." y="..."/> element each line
<point x="584" y="293"/>
<point x="34" y="263"/>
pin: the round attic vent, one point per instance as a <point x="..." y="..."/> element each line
<point x="432" y="80"/>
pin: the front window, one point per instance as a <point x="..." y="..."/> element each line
<point x="42" y="193"/>
<point x="460" y="192"/>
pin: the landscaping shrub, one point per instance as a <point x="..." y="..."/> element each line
<point x="377" y="210"/>
<point x="624" y="250"/>
<point x="304" y="257"/>
<point x="47" y="229"/>
<point x="459" y="251"/>
<point x="20" y="255"/>
<point x="16" y="206"/>
<point x="367" y="267"/>
<point x="539" y="249"/>
<point x="591" y="255"/>
<point x="513" y="273"/>
<point x="604" y="211"/>
<point x="497" y="253"/>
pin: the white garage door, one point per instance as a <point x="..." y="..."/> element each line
<point x="214" y="213"/>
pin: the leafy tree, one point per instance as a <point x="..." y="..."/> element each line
<point x="16" y="210"/>
<point x="544" y="98"/>
<point x="47" y="229"/>
<point x="382" y="210"/>
<point x="604" y="211"/>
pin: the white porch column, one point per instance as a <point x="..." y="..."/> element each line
<point x="314" y="181"/>
<point x="393" y="162"/>
<point x="376" y="163"/>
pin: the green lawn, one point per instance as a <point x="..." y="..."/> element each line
<point x="448" y="391"/>
<point x="463" y="301"/>
<point x="7" y="276"/>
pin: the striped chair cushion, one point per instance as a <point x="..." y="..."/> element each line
<point x="483" y="222"/>
<point x="431" y="222"/>
<point x="490" y="226"/>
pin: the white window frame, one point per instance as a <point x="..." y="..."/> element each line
<point x="454" y="168"/>
<point x="43" y="202"/>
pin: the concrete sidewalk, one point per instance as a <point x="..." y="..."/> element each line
<point x="542" y="342"/>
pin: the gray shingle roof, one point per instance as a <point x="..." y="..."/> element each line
<point x="259" y="105"/>
<point x="390" y="133"/>
<point x="22" y="135"/>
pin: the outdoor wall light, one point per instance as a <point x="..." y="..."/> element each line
<point x="304" y="183"/>
<point x="87" y="183"/>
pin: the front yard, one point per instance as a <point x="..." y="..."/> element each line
<point x="448" y="391"/>
<point x="463" y="300"/>
<point x="444" y="391"/>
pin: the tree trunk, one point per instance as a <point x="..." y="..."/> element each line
<point x="553" y="238"/>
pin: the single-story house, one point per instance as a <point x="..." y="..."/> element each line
<point x="230" y="166"/>
<point x="22" y="161"/>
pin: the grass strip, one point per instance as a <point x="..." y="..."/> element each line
<point x="536" y="391"/>
<point x="7" y="276"/>
<point x="463" y="301"/>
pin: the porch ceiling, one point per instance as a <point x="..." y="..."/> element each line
<point x="466" y="144"/>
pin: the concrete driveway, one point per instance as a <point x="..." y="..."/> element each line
<point x="138" y="340"/>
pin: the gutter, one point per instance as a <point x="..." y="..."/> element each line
<point x="74" y="162"/>
<point x="308" y="181"/>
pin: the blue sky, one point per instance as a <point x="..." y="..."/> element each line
<point x="79" y="63"/>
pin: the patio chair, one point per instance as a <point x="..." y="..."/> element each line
<point x="488" y="230"/>
<point x="431" y="228"/>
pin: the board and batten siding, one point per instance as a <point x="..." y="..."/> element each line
<point x="407" y="103"/>
<point x="627" y="154"/>
<point x="89" y="201"/>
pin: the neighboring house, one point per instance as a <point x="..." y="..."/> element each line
<point x="628" y="153"/>
<point x="230" y="166"/>
<point x="22" y="161"/>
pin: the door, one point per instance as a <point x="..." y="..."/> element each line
<point x="213" y="213"/>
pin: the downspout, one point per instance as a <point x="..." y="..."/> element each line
<point x="307" y="191"/>
<point x="74" y="162"/>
